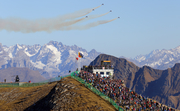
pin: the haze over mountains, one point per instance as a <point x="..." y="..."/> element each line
<point x="51" y="59"/>
<point x="160" y="85"/>
<point x="25" y="75"/>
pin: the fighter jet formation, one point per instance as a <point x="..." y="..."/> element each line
<point x="101" y="5"/>
<point x="69" y="21"/>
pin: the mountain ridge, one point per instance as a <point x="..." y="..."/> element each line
<point x="160" y="85"/>
<point x="158" y="59"/>
<point x="51" y="59"/>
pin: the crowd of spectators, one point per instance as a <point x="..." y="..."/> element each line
<point x="123" y="96"/>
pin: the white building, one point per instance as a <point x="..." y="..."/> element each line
<point x="105" y="70"/>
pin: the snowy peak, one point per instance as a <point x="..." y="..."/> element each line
<point x="177" y="49"/>
<point x="46" y="55"/>
<point x="55" y="56"/>
<point x="140" y="58"/>
<point x="161" y="59"/>
<point x="51" y="59"/>
<point x="32" y="50"/>
<point x="93" y="53"/>
<point x="12" y="50"/>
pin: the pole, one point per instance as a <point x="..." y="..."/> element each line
<point x="79" y="64"/>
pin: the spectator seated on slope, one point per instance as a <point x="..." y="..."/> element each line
<point x="122" y="95"/>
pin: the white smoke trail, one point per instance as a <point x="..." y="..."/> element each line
<point x="94" y="16"/>
<point x="88" y="25"/>
<point x="97" y="7"/>
<point x="77" y="13"/>
<point x="68" y="23"/>
<point x="27" y="26"/>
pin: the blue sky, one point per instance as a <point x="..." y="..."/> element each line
<point x="145" y="25"/>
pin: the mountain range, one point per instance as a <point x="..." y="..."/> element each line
<point x="160" y="85"/>
<point x="158" y="59"/>
<point x="51" y="59"/>
<point x="155" y="75"/>
<point x="54" y="58"/>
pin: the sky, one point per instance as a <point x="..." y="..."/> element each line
<point x="144" y="25"/>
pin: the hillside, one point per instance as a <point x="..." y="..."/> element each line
<point x="161" y="85"/>
<point x="67" y="94"/>
<point x="19" y="98"/>
<point x="123" y="69"/>
<point x="25" y="75"/>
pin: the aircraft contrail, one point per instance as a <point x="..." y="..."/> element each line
<point x="97" y="7"/>
<point x="68" y="23"/>
<point x="77" y="14"/>
<point x="64" y="22"/>
<point x="88" y="25"/>
<point x="95" y="16"/>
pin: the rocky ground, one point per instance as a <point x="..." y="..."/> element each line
<point x="19" y="98"/>
<point x="70" y="95"/>
<point x="65" y="95"/>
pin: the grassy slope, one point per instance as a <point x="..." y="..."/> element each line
<point x="25" y="98"/>
<point x="88" y="99"/>
<point x="20" y="98"/>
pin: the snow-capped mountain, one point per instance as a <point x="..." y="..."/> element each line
<point x="51" y="59"/>
<point x="159" y="59"/>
